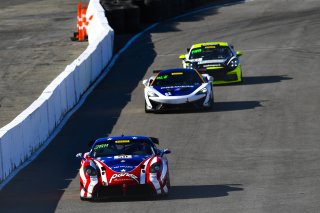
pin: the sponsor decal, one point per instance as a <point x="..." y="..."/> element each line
<point x="214" y="61"/>
<point x="162" y="77"/>
<point x="167" y="94"/>
<point x="177" y="73"/>
<point x="124" y="166"/>
<point x="100" y="146"/>
<point x="122" y="141"/>
<point x="196" y="51"/>
<point x="208" y="47"/>
<point x="123" y="176"/>
<point x="211" y="65"/>
<point x="123" y="157"/>
<point x="174" y="87"/>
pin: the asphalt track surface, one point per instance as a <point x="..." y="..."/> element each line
<point x="256" y="151"/>
<point x="35" y="47"/>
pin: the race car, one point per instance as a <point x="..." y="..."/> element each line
<point x="124" y="166"/>
<point x="217" y="59"/>
<point x="177" y="88"/>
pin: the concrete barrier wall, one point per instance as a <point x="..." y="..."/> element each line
<point x="30" y="130"/>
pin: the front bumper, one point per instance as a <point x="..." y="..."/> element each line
<point x="120" y="190"/>
<point x="222" y="76"/>
<point x="125" y="191"/>
<point x="169" y="102"/>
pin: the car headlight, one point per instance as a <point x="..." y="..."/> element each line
<point x="151" y="94"/>
<point x="89" y="170"/>
<point x="156" y="167"/>
<point x="202" y="91"/>
<point x="233" y="63"/>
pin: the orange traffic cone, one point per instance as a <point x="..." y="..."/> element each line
<point x="81" y="34"/>
<point x="76" y="34"/>
<point x="79" y="23"/>
<point x="84" y="23"/>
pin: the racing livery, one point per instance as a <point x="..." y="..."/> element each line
<point x="173" y="88"/>
<point x="217" y="59"/>
<point x="123" y="166"/>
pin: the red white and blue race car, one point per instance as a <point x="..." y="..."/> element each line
<point x="123" y="166"/>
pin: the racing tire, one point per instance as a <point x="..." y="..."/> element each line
<point x="211" y="103"/>
<point x="84" y="199"/>
<point x="164" y="196"/>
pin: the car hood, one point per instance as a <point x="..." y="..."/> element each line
<point x="177" y="90"/>
<point x="123" y="163"/>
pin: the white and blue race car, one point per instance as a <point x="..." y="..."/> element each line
<point x="176" y="88"/>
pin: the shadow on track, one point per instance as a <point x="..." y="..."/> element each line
<point x="185" y="192"/>
<point x="235" y="105"/>
<point x="252" y="80"/>
<point x="202" y="191"/>
<point x="217" y="107"/>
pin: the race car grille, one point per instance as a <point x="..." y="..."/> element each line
<point x="221" y="74"/>
<point x="140" y="190"/>
<point x="132" y="190"/>
<point x="109" y="191"/>
<point x="217" y="74"/>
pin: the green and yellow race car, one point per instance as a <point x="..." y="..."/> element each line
<point x="217" y="59"/>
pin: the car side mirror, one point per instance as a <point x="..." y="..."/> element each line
<point x="154" y="140"/>
<point x="145" y="82"/>
<point x="210" y="78"/>
<point x="238" y="53"/>
<point x="188" y="49"/>
<point x="166" y="151"/>
<point x="182" y="57"/>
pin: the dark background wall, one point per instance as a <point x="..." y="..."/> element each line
<point x="127" y="16"/>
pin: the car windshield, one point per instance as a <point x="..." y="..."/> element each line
<point x="177" y="78"/>
<point x="210" y="52"/>
<point x="122" y="147"/>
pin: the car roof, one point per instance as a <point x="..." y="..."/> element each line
<point x="221" y="43"/>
